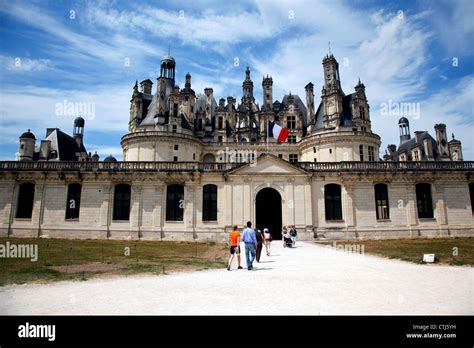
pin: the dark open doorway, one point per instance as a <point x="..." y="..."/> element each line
<point x="268" y="211"/>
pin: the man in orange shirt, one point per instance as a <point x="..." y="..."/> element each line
<point x="234" y="246"/>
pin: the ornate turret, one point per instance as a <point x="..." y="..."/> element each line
<point x="332" y="93"/>
<point x="247" y="88"/>
<point x="27" y="146"/>
<point x="404" y="126"/>
<point x="78" y="131"/>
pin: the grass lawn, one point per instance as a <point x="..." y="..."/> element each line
<point x="413" y="249"/>
<point x="63" y="259"/>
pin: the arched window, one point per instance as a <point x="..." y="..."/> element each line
<point x="424" y="201"/>
<point x="26" y="195"/>
<point x="209" y="158"/>
<point x="174" y="202"/>
<point x="381" y="202"/>
<point x="209" y="203"/>
<point x="73" y="201"/>
<point x="332" y="202"/>
<point x="122" y="202"/>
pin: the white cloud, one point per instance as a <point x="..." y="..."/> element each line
<point x="454" y="25"/>
<point x="24" y="64"/>
<point x="37" y="108"/>
<point x="91" y="48"/>
<point x="191" y="27"/>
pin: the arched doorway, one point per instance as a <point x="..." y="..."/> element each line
<point x="268" y="211"/>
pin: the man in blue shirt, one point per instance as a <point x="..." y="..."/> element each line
<point x="248" y="237"/>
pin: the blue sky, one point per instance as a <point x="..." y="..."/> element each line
<point x="93" y="51"/>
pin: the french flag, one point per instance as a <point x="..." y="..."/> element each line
<point x="277" y="132"/>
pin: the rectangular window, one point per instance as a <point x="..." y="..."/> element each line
<point x="175" y="159"/>
<point x="424" y="201"/>
<point x="176" y="147"/>
<point x="209" y="203"/>
<point x="361" y="152"/>
<point x="26" y="195"/>
<point x="362" y="112"/>
<point x="194" y="156"/>
<point x="175" y="110"/>
<point x="280" y="155"/>
<point x="122" y="202"/>
<point x="371" y="154"/>
<point x="292" y="139"/>
<point x="381" y="202"/>
<point x="219" y="139"/>
<point x="73" y="201"/>
<point x="314" y="150"/>
<point x="416" y="157"/>
<point x="174" y="203"/>
<point x="175" y="128"/>
<point x="291" y="122"/>
<point x="333" y="202"/>
<point x="293" y="157"/>
<point x="220" y="123"/>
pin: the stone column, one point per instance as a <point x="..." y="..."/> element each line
<point x="11" y="212"/>
<point x="308" y="200"/>
<point x="411" y="208"/>
<point x="106" y="210"/>
<point x="41" y="193"/>
<point x="159" y="209"/>
<point x="349" y="204"/>
<point x="190" y="208"/>
<point x="136" y="209"/>
<point x="247" y="200"/>
<point x="439" y="205"/>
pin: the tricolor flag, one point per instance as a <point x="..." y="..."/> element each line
<point x="277" y="132"/>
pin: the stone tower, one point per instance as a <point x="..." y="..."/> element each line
<point x="404" y="126"/>
<point x="27" y="146"/>
<point x="332" y="93"/>
<point x="442" y="141"/>
<point x="360" y="108"/>
<point x="310" y="105"/>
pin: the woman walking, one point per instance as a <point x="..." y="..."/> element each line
<point x="259" y="236"/>
<point x="268" y="240"/>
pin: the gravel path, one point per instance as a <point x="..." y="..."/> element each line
<point x="309" y="279"/>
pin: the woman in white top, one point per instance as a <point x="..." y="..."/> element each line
<point x="268" y="239"/>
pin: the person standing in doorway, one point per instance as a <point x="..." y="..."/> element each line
<point x="248" y="236"/>
<point x="268" y="240"/>
<point x="234" y="247"/>
<point x="259" y="237"/>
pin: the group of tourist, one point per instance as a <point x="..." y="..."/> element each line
<point x="254" y="241"/>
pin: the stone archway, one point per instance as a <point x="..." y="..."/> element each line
<point x="268" y="211"/>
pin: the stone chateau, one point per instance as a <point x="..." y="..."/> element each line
<point x="193" y="166"/>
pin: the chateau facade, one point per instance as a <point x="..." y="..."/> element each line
<point x="192" y="167"/>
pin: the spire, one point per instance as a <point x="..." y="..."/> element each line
<point x="329" y="47"/>
<point x="247" y="74"/>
